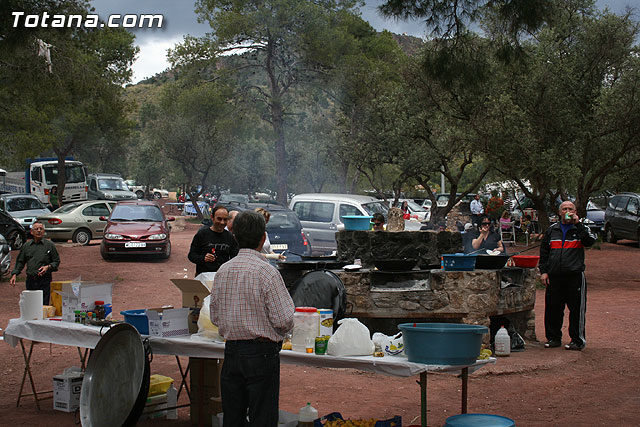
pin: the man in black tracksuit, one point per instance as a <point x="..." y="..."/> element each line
<point x="562" y="272"/>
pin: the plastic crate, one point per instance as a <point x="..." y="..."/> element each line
<point x="392" y="422"/>
<point x="159" y="384"/>
<point x="459" y="262"/>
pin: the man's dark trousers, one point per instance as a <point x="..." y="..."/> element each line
<point x="36" y="283"/>
<point x="569" y="289"/>
<point x="251" y="379"/>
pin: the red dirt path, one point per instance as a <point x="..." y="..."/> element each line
<point x="538" y="387"/>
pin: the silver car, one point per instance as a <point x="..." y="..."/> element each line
<point x="78" y="221"/>
<point x="5" y="256"/>
<point x="103" y="186"/>
<point x="24" y="208"/>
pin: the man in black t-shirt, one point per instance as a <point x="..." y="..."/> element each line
<point x="213" y="246"/>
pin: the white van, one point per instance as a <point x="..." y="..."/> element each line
<point x="321" y="215"/>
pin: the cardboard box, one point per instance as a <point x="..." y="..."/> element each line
<point x="168" y="322"/>
<point x="193" y="294"/>
<point x="66" y="391"/>
<point x="82" y="296"/>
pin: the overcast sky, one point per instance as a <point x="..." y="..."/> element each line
<point x="180" y="20"/>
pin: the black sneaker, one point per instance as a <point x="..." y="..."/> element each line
<point x="552" y="344"/>
<point x="574" y="346"/>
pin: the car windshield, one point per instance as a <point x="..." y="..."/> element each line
<point x="233" y="198"/>
<point x="414" y="207"/>
<point x="143" y="213"/>
<point x="283" y="221"/>
<point x="375" y="207"/>
<point x="74" y="173"/>
<point x="23" y="204"/>
<point x="112" y="184"/>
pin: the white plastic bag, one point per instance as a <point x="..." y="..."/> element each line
<point x="392" y="346"/>
<point x="352" y="338"/>
<point x="206" y="329"/>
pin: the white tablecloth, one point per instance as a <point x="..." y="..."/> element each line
<point x="73" y="334"/>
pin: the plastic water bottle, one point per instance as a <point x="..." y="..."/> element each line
<point x="307" y="415"/>
<point x="172" y="402"/>
<point x="502" y="342"/>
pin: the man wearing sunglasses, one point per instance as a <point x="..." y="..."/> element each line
<point x="486" y="238"/>
<point x="378" y="222"/>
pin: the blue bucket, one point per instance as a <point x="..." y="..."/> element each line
<point x="459" y="262"/>
<point x="479" y="420"/>
<point x="138" y="319"/>
<point x="442" y="343"/>
<point x="356" y="222"/>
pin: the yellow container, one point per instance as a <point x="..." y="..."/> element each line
<point x="56" y="299"/>
<point x="159" y="384"/>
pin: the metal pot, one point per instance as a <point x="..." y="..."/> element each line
<point x="491" y="262"/>
<point x="116" y="381"/>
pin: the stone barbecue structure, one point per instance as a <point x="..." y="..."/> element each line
<point x="382" y="299"/>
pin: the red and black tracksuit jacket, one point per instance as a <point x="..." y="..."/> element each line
<point x="557" y="257"/>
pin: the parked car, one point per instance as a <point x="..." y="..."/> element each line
<point x="321" y="215"/>
<point x="15" y="233"/>
<point x="595" y="218"/>
<point x="5" y="256"/>
<point x="285" y="230"/>
<point x="24" y="208"/>
<point x="138" y="227"/>
<point x="442" y="199"/>
<point x="622" y="218"/>
<point x="78" y="221"/>
<point x="231" y="200"/>
<point x="158" y="193"/>
<point x="104" y="186"/>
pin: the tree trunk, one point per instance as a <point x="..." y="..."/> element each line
<point x="281" y="153"/>
<point x="62" y="175"/>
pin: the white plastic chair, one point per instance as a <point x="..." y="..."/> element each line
<point x="508" y="232"/>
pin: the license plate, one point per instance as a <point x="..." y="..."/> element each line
<point x="281" y="246"/>
<point x="135" y="245"/>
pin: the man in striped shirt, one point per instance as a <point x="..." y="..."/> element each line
<point x="253" y="310"/>
<point x="562" y="272"/>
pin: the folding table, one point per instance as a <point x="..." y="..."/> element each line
<point x="72" y="334"/>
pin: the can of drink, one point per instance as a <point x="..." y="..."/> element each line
<point x="321" y="344"/>
<point x="567" y="216"/>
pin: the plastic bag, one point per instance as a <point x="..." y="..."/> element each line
<point x="352" y="338"/>
<point x="392" y="346"/>
<point x="206" y="278"/>
<point x="205" y="327"/>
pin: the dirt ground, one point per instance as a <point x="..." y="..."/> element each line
<point x="537" y="387"/>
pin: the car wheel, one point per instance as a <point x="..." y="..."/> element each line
<point x="82" y="236"/>
<point x="140" y="194"/>
<point x="16" y="240"/>
<point x="157" y="196"/>
<point x="167" y="253"/>
<point x="609" y="236"/>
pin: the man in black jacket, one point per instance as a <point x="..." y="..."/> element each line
<point x="562" y="272"/>
<point x="213" y="246"/>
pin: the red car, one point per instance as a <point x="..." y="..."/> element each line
<point x="136" y="227"/>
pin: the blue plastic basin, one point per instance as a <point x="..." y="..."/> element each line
<point x="479" y="420"/>
<point x="138" y="319"/>
<point x="442" y="343"/>
<point x="356" y="222"/>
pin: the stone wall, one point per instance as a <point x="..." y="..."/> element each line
<point x="469" y="297"/>
<point x="426" y="246"/>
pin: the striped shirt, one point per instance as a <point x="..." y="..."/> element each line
<point x="250" y="300"/>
